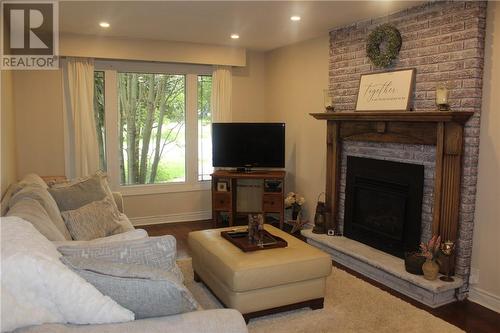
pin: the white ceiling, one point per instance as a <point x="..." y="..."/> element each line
<point x="262" y="25"/>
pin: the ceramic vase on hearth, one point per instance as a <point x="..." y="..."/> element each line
<point x="430" y="269"/>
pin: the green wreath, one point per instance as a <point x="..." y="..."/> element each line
<point x="383" y="33"/>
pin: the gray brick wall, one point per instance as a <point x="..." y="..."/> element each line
<point x="444" y="41"/>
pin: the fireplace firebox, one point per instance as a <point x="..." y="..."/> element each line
<point x="383" y="204"/>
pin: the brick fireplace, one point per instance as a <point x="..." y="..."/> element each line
<point x="444" y="42"/>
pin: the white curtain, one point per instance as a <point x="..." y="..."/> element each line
<point x="221" y="94"/>
<point x="81" y="138"/>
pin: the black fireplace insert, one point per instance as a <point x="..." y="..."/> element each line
<point x="383" y="204"/>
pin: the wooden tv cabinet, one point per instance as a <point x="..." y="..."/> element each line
<point x="225" y="198"/>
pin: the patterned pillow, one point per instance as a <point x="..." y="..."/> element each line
<point x="94" y="220"/>
<point x="146" y="291"/>
<point x="155" y="252"/>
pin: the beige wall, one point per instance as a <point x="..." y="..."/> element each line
<point x="248" y="102"/>
<point x="486" y="246"/>
<point x="39" y="119"/>
<point x="8" y="136"/>
<point x="295" y="78"/>
<point x="150" y="50"/>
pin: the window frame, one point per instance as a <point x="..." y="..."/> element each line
<point x="191" y="72"/>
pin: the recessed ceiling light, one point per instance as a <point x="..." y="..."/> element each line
<point x="295" y="18"/>
<point x="235" y="36"/>
<point x="104" y="24"/>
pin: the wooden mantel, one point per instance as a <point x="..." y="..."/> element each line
<point x="444" y="129"/>
<point x="405" y="116"/>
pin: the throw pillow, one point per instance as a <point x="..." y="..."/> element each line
<point x="30" y="210"/>
<point x="72" y="194"/>
<point x="76" y="195"/>
<point x="94" y="220"/>
<point x="146" y="291"/>
<point x="155" y="252"/>
<point x="41" y="195"/>
<point x="37" y="288"/>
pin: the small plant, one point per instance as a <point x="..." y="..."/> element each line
<point x="295" y="202"/>
<point x="431" y="249"/>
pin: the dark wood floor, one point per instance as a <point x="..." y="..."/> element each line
<point x="466" y="315"/>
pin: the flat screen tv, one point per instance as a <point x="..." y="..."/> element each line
<point x="248" y="145"/>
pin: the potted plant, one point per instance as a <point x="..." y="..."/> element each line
<point x="430" y="252"/>
<point x="294" y="202"/>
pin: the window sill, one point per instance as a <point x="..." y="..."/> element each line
<point x="132" y="190"/>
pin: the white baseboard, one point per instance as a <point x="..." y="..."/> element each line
<point x="484" y="298"/>
<point x="172" y="218"/>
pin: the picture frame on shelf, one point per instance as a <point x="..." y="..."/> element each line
<point x="387" y="91"/>
<point x="222" y="186"/>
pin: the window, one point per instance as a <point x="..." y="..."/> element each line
<point x="154" y="126"/>
<point x="204" y="127"/>
<point x="99" y="116"/>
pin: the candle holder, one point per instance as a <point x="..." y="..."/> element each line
<point x="328" y="100"/>
<point x="447" y="249"/>
<point x="442" y="98"/>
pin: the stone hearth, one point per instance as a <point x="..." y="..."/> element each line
<point x="386" y="269"/>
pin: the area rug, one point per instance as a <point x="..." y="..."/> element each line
<point x="351" y="305"/>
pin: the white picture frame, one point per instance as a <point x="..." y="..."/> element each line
<point x="388" y="91"/>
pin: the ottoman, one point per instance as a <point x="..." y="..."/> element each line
<point x="260" y="282"/>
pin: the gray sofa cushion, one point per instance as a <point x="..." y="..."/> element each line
<point x="95" y="220"/>
<point x="156" y="252"/>
<point x="41" y="195"/>
<point x="73" y="195"/>
<point x="30" y="210"/>
<point x="146" y="291"/>
<point x="208" y="321"/>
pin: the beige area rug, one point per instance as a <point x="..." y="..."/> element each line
<point x="351" y="305"/>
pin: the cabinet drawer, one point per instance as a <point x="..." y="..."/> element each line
<point x="272" y="203"/>
<point x="222" y="201"/>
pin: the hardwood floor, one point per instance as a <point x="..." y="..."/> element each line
<point x="468" y="316"/>
<point x="180" y="231"/>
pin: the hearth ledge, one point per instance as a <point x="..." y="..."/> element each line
<point x="385" y="268"/>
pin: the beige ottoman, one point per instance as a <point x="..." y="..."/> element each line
<point x="260" y="282"/>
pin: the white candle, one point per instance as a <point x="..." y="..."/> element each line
<point x="441" y="95"/>
<point x="328" y="99"/>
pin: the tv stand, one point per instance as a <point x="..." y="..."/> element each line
<point x="225" y="198"/>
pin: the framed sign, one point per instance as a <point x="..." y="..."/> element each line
<point x="389" y="91"/>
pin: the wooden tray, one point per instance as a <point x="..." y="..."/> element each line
<point x="243" y="244"/>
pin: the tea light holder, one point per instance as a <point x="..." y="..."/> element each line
<point x="447" y="249"/>
<point x="442" y="98"/>
<point x="328" y="100"/>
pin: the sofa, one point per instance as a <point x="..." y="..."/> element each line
<point x="28" y="201"/>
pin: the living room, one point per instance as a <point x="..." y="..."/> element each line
<point x="301" y="64"/>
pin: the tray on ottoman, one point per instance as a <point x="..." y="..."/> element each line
<point x="240" y="239"/>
